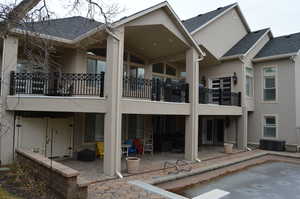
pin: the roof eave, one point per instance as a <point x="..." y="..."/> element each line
<point x="59" y="39"/>
<point x="275" y="57"/>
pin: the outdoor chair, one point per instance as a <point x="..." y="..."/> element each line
<point x="100" y="149"/>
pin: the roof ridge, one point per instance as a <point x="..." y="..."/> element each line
<point x="228" y="6"/>
<point x="287" y="35"/>
<point x="64" y="18"/>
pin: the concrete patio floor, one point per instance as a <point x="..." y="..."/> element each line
<point x="91" y="172"/>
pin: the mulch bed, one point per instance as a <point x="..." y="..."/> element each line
<point x="17" y="183"/>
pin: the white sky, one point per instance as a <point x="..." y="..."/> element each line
<point x="283" y="16"/>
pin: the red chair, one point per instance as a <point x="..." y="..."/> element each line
<point x="139" y="147"/>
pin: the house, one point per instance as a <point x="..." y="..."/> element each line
<point x="172" y="84"/>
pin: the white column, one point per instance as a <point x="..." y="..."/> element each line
<point x="242" y="129"/>
<point x="191" y="126"/>
<point x="113" y="91"/>
<point x="9" y="63"/>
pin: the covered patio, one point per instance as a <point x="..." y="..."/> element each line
<point x="93" y="171"/>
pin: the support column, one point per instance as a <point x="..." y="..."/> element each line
<point x="191" y="126"/>
<point x="9" y="63"/>
<point x="113" y="91"/>
<point x="242" y="129"/>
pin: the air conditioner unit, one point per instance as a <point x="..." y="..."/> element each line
<point x="272" y="145"/>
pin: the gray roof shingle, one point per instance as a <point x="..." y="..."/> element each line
<point x="196" y="22"/>
<point x="281" y="45"/>
<point x="246" y="43"/>
<point x="67" y="28"/>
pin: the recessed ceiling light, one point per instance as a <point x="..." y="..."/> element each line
<point x="154" y="44"/>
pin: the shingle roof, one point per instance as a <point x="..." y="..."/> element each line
<point x="281" y="45"/>
<point x="246" y="43"/>
<point x="196" y="22"/>
<point x="67" y="28"/>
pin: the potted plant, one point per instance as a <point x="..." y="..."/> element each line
<point x="228" y="147"/>
<point x="133" y="164"/>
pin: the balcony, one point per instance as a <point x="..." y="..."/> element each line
<point x="219" y="97"/>
<point x="57" y="84"/>
<point x="155" y="89"/>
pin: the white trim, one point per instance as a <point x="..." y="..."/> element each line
<point x="251" y="76"/>
<point x="263" y="101"/>
<point x="268" y="58"/>
<point x="263" y="125"/>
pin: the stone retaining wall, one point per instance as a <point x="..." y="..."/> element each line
<point x="58" y="177"/>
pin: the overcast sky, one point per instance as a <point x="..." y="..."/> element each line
<point x="283" y="16"/>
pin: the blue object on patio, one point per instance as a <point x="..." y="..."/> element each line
<point x="132" y="149"/>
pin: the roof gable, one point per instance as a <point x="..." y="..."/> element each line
<point x="246" y="43"/>
<point x="281" y="46"/>
<point x="194" y="23"/>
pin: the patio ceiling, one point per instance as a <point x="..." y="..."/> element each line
<point x="153" y="42"/>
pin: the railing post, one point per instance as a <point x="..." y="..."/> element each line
<point x="102" y="84"/>
<point x="220" y="96"/>
<point x="187" y="95"/>
<point x="239" y="99"/>
<point x="158" y="89"/>
<point x="12" y="83"/>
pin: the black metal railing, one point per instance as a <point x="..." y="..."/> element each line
<point x="57" y="84"/>
<point x="155" y="89"/>
<point x="219" y="96"/>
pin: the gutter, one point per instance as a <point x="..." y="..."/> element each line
<point x="268" y="58"/>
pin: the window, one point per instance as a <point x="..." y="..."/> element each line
<point x="158" y="68"/>
<point x="269" y="81"/>
<point x="94" y="127"/>
<point x="249" y="82"/>
<point x="170" y="70"/>
<point x="137" y="72"/>
<point x="270" y="126"/>
<point x="96" y="66"/>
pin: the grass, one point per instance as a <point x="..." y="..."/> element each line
<point x="5" y="195"/>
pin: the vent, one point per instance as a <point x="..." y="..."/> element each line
<point x="219" y="8"/>
<point x="200" y="15"/>
<point x="288" y="36"/>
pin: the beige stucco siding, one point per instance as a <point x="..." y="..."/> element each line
<point x="222" y="34"/>
<point x="297" y="92"/>
<point x="249" y="101"/>
<point x="284" y="108"/>
<point x="225" y="69"/>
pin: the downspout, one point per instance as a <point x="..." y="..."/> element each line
<point x="118" y="39"/>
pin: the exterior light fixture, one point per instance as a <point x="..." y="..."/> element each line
<point x="235" y="78"/>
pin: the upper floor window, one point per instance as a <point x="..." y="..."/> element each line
<point x="249" y="82"/>
<point x="270" y="126"/>
<point x="170" y="70"/>
<point x="158" y="68"/>
<point x="137" y="72"/>
<point x="96" y="66"/>
<point x="269" y="84"/>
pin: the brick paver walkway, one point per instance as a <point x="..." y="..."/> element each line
<point x="121" y="189"/>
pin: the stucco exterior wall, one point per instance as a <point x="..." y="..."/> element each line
<point x="284" y="108"/>
<point x="225" y="69"/>
<point x="249" y="101"/>
<point x="297" y="93"/>
<point x="222" y="34"/>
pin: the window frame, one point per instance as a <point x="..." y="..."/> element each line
<point x="263" y="126"/>
<point x="251" y="75"/>
<point x="275" y="74"/>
